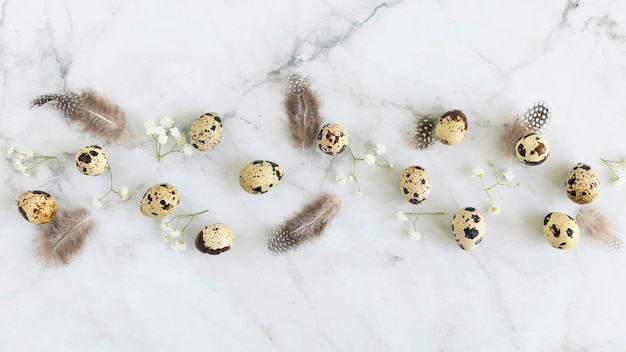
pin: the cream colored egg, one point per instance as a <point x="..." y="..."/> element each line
<point x="561" y="230"/>
<point x="160" y="200"/>
<point x="92" y="160"/>
<point x="260" y="176"/>
<point x="415" y="184"/>
<point x="532" y="149"/>
<point x="37" y="207"/>
<point x="333" y="139"/>
<point x="206" y="132"/>
<point x="215" y="239"/>
<point x="468" y="227"/>
<point x="451" y="128"/>
<point x="582" y="184"/>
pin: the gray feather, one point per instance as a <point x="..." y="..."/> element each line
<point x="62" y="239"/>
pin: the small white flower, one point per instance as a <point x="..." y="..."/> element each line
<point x="160" y="131"/>
<point x="165" y="225"/>
<point x="29" y="153"/>
<point x="187" y="149"/>
<point x="162" y="139"/>
<point x="380" y="149"/>
<point x="18" y="165"/>
<point x="414" y="235"/>
<point x="181" y="140"/>
<point x="494" y="210"/>
<point x="150" y="127"/>
<point x="166" y="238"/>
<point x="401" y="216"/>
<point x="478" y="171"/>
<point x="11" y="150"/>
<point x="508" y="175"/>
<point x="26" y="171"/>
<point x="175" y="233"/>
<point x="350" y="178"/>
<point x="97" y="202"/>
<point x="619" y="181"/>
<point x="174" y="132"/>
<point x="178" y="246"/>
<point x="391" y="166"/>
<point x="166" y="122"/>
<point x="359" y="193"/>
<point x="370" y="159"/>
<point x="124" y="193"/>
<point x="20" y="157"/>
<point x="341" y="179"/>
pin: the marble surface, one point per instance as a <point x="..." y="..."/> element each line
<point x="364" y="285"/>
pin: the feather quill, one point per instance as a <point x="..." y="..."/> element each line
<point x="96" y="113"/>
<point x="598" y="227"/>
<point x="62" y="239"/>
<point x="304" y="226"/>
<point x="302" y="107"/>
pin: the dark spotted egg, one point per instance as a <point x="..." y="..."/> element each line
<point x="415" y="184"/>
<point x="451" y="128"/>
<point x="532" y="149"/>
<point x="160" y="200"/>
<point x="333" y="139"/>
<point x="37" y="207"/>
<point x="561" y="230"/>
<point x="468" y="227"/>
<point x="206" y="132"/>
<point x="260" y="176"/>
<point x="92" y="160"/>
<point x="215" y="239"/>
<point x="582" y="184"/>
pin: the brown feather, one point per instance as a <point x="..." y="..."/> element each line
<point x="512" y="133"/>
<point x="97" y="114"/>
<point x="62" y="239"/>
<point x="304" y="226"/>
<point x="598" y="227"/>
<point x="301" y="105"/>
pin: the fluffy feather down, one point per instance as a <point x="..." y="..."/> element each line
<point x="97" y="114"/>
<point x="304" y="226"/>
<point x="598" y="227"/>
<point x="62" y="239"/>
<point x="302" y="105"/>
<point x="512" y="133"/>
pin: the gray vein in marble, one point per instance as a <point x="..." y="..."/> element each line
<point x="606" y="23"/>
<point x="63" y="64"/>
<point x="572" y="5"/>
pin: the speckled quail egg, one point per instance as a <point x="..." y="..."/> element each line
<point x="260" y="176"/>
<point x="206" y="132"/>
<point x="92" y="160"/>
<point x="333" y="139"/>
<point x="415" y="184"/>
<point x="468" y="227"/>
<point x="38" y="207"/>
<point x="159" y="200"/>
<point x="451" y="128"/>
<point x="215" y="239"/>
<point x="561" y="230"/>
<point x="532" y="149"/>
<point x="582" y="184"/>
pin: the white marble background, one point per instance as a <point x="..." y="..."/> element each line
<point x="364" y="286"/>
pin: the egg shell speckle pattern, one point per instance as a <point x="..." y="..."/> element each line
<point x="206" y="132"/>
<point x="92" y="160"/>
<point x="260" y="176"/>
<point x="468" y="227"/>
<point x="532" y="149"/>
<point x="415" y="184"/>
<point x="451" y="128"/>
<point x="38" y="207"/>
<point x="215" y="239"/>
<point x="582" y="184"/>
<point x="333" y="139"/>
<point x="561" y="230"/>
<point x="159" y="200"/>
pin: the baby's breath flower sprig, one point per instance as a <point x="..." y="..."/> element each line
<point x="616" y="168"/>
<point x="402" y="216"/>
<point x="369" y="159"/>
<point x="163" y="133"/>
<point x="177" y="233"/>
<point x="506" y="175"/>
<point x="123" y="192"/>
<point x="28" y="160"/>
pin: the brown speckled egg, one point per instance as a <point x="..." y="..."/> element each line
<point x="92" y="160"/>
<point x="206" y="132"/>
<point x="260" y="176"/>
<point x="38" y="207"/>
<point x="415" y="184"/>
<point x="468" y="227"/>
<point x="532" y="149"/>
<point x="159" y="200"/>
<point x="333" y="139"/>
<point x="561" y="230"/>
<point x="582" y="184"/>
<point x="451" y="128"/>
<point x="215" y="239"/>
